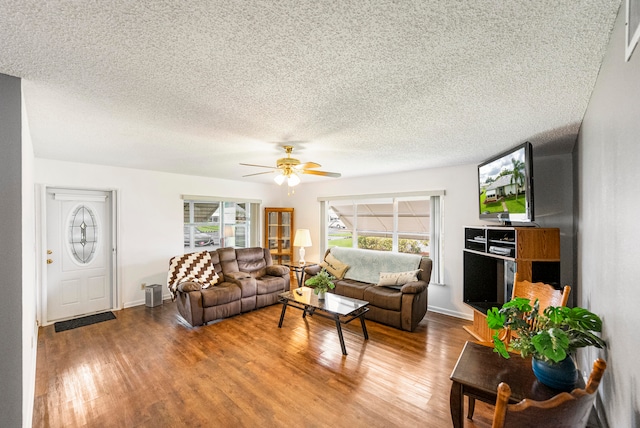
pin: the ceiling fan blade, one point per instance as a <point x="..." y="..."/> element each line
<point x="259" y="166"/>
<point x="307" y="165"/>
<point x="323" y="173"/>
<point x="258" y="173"/>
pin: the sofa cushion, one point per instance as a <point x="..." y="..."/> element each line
<point x="228" y="260"/>
<point x="383" y="297"/>
<point x="397" y="278"/>
<point x="334" y="266"/>
<point x="220" y="295"/>
<point x="351" y="288"/>
<point x="215" y="261"/>
<point x="270" y="284"/>
<point x="251" y="260"/>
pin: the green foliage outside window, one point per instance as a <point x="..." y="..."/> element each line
<point x="411" y="246"/>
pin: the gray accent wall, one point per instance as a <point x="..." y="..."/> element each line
<point x="11" y="252"/>
<point x="608" y="226"/>
<point x="554" y="199"/>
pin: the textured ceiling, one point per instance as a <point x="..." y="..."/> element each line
<point x="361" y="87"/>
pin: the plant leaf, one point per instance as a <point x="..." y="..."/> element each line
<point x="551" y="344"/>
<point x="520" y="303"/>
<point x="500" y="347"/>
<point x="495" y="319"/>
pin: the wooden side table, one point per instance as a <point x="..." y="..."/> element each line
<point x="299" y="270"/>
<point x="479" y="371"/>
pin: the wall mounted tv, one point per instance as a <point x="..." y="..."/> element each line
<point x="506" y="186"/>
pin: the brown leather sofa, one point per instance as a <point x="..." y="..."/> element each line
<point x="402" y="306"/>
<point x="248" y="280"/>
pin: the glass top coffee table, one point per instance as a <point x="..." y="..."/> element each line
<point x="341" y="309"/>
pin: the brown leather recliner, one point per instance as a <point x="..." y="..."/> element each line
<point x="248" y="280"/>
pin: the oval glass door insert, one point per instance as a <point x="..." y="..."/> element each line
<point x="83" y="234"/>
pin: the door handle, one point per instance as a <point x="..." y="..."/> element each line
<point x="49" y="261"/>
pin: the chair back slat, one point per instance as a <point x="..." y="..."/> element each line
<point x="546" y="295"/>
<point x="563" y="410"/>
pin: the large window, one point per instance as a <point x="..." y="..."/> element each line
<point x="405" y="223"/>
<point x="211" y="224"/>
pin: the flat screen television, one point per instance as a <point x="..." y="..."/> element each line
<point x="506" y="186"/>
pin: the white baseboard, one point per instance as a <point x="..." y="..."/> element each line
<point x="133" y="303"/>
<point x="451" y="313"/>
<point x="165" y="297"/>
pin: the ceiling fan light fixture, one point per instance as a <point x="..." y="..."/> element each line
<point x="279" y="179"/>
<point x="293" y="180"/>
<point x="289" y="168"/>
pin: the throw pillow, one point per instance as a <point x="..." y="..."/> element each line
<point x="398" y="278"/>
<point x="334" y="266"/>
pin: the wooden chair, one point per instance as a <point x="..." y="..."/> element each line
<point x="564" y="410"/>
<point x="546" y="295"/>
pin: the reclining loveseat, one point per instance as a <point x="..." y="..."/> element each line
<point x="210" y="285"/>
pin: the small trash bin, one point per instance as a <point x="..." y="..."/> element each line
<point x="153" y="295"/>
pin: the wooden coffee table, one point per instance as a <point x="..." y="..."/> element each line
<point x="341" y="309"/>
<point x="299" y="270"/>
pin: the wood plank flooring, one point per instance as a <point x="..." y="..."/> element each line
<point x="149" y="368"/>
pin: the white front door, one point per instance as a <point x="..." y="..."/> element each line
<point x="79" y="253"/>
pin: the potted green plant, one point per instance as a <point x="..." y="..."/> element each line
<point x="558" y="331"/>
<point x="321" y="283"/>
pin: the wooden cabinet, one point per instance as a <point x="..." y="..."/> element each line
<point x="492" y="255"/>
<point x="278" y="234"/>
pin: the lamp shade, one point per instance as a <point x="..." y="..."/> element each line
<point x="293" y="180"/>
<point x="302" y="238"/>
<point x="279" y="179"/>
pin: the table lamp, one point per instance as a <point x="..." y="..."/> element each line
<point x="302" y="239"/>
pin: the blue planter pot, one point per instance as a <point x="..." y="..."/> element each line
<point x="562" y="376"/>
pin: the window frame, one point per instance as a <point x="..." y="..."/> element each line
<point x="436" y="222"/>
<point x="252" y="234"/>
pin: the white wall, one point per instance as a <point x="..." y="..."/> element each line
<point x="608" y="232"/>
<point x="460" y="209"/>
<point x="150" y="213"/>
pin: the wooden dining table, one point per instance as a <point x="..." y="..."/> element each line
<point x="480" y="370"/>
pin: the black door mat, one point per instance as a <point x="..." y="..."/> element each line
<point x="82" y="321"/>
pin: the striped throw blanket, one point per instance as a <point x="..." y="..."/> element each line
<point x="193" y="267"/>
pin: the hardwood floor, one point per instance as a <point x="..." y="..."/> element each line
<point x="149" y="368"/>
